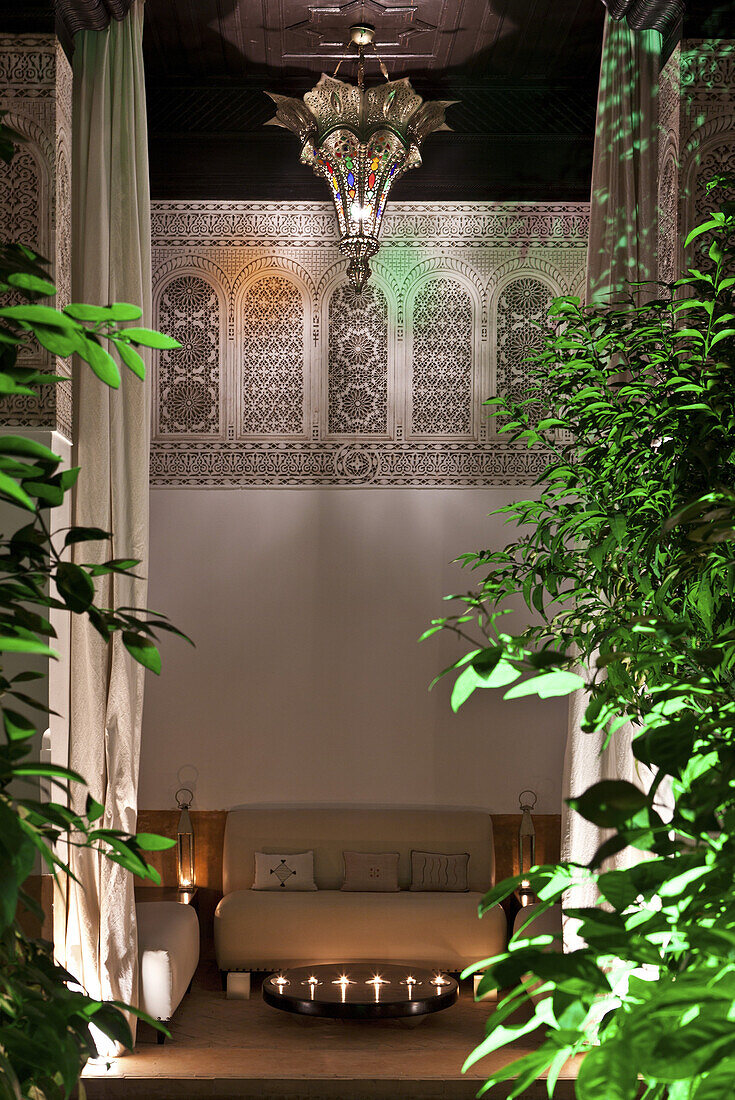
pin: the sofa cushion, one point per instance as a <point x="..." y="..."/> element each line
<point x="375" y="872"/>
<point x="284" y="871"/>
<point x="259" y="931"/>
<point x="436" y="871"/>
<point x="168" y="950"/>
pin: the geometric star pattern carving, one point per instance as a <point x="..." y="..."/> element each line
<point x="283" y="872"/>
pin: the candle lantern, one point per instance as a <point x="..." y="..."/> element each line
<point x="185" y="840"/>
<point x="526" y="845"/>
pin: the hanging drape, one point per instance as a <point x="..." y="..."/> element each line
<point x="111" y="262"/>
<point x="622" y="246"/>
<point x="622" y="240"/>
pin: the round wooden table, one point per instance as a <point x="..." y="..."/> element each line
<point x="360" y="991"/>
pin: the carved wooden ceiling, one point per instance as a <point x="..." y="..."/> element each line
<point x="511" y="39"/>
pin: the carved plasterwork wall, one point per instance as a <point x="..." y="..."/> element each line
<point x="287" y="379"/>
<point x="35" y="195"/>
<point x="697" y="139"/>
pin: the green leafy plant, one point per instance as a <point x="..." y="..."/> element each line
<point x="45" y="1021"/>
<point x="626" y="560"/>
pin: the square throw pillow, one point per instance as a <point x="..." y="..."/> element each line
<point x="374" y="871"/>
<point x="436" y="871"/>
<point x="284" y="871"/>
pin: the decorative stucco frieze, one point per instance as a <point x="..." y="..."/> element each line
<point x="286" y="379"/>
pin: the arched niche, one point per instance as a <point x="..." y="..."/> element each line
<point x="522" y="304"/>
<point x="274" y="348"/>
<point x="358" y="361"/>
<point x="442" y="312"/>
<point x="188" y="380"/>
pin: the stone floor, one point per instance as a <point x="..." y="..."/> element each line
<point x="228" y="1048"/>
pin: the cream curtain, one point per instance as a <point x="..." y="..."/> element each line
<point x="111" y="262"/>
<point x="622" y="240"/>
<point x="622" y="246"/>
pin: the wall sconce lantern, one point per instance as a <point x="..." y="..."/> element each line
<point x="185" y="840"/>
<point x="526" y="845"/>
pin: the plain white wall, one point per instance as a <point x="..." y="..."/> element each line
<point x="307" y="683"/>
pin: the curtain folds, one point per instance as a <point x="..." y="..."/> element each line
<point x="622" y="246"/>
<point x="90" y="15"/>
<point x="622" y="240"/>
<point x="111" y="262"/>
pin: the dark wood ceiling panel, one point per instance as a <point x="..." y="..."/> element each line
<point x="494" y="38"/>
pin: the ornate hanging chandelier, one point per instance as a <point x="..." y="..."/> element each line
<point x="361" y="140"/>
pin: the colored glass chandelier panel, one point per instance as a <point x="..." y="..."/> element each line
<point x="360" y="140"/>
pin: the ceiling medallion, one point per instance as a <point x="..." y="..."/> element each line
<point x="361" y="140"/>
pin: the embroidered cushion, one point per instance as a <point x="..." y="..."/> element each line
<point x="376" y="871"/>
<point x="284" y="871"/>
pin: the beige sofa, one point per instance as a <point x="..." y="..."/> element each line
<point x="265" y="930"/>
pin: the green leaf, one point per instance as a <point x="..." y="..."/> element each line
<point x="112" y="1022"/>
<point x="45" y="315"/>
<point x="464" y="685"/>
<point x="86" y="534"/>
<point x="548" y="685"/>
<point x="94" y="809"/>
<point x="10" y="644"/>
<point x="25" y="281"/>
<point x="130" y="357"/>
<point x="609" y="802"/>
<point x="46" y="491"/>
<point x="51" y="771"/>
<point x="142" y="650"/>
<point x="124" y="311"/>
<point x="75" y="586"/>
<point x="150" y="842"/>
<point x="148" y="338"/>
<point x="19" y="445"/>
<point x="703" y="228"/>
<point x="10" y="488"/>
<point x="56" y="341"/>
<point x="17" y="726"/>
<point x="80" y="311"/>
<point x="101" y="362"/>
<point x="607" y="1073"/>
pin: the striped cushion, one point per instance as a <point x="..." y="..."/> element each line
<point x="435" y="871"/>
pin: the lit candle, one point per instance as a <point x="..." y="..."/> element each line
<point x="280" y="981"/>
<point x="409" y="982"/>
<point x="343" y="981"/>
<point x="376" y="982"/>
<point x="312" y="983"/>
<point x="439" y="980"/>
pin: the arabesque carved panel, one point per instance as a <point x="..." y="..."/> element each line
<point x="358" y="361"/>
<point x="320" y="386"/>
<point x="523" y="306"/>
<point x="188" y="378"/>
<point x="441" y="376"/>
<point x="272" y="382"/>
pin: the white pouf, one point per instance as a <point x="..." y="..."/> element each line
<point x="168" y="949"/>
